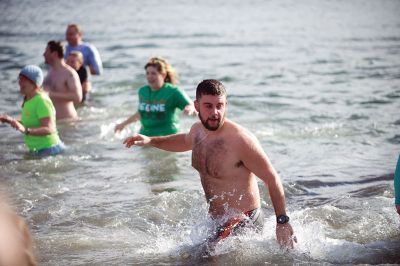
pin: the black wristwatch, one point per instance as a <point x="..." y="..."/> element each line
<point x="282" y="219"/>
<point x="27" y="131"/>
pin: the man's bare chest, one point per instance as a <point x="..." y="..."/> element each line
<point x="214" y="157"/>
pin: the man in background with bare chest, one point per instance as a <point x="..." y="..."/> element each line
<point x="62" y="82"/>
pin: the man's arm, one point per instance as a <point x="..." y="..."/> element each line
<point x="46" y="82"/>
<point x="174" y="143"/>
<point x="95" y="63"/>
<point x="255" y="159"/>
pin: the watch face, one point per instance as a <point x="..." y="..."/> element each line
<point x="282" y="219"/>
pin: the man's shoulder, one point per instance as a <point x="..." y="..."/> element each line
<point x="88" y="47"/>
<point x="68" y="69"/>
<point x="83" y="47"/>
<point x="69" y="72"/>
<point x="234" y="127"/>
<point x="61" y="72"/>
<point x="196" y="127"/>
<point x="240" y="133"/>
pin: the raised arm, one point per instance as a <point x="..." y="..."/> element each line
<point x="255" y="159"/>
<point x="174" y="143"/>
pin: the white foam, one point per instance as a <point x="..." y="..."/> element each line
<point x="107" y="131"/>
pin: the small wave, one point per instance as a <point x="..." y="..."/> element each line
<point x="358" y="117"/>
<point x="393" y="95"/>
<point x="327" y="61"/>
<point x="375" y="190"/>
<point x="321" y="118"/>
<point x="120" y="47"/>
<point x="395" y="139"/>
<point x="117" y="47"/>
<point x="146" y="45"/>
<point x="227" y="44"/>
<point x="316" y="183"/>
<point x="375" y="101"/>
<point x="327" y="234"/>
<point x="227" y="79"/>
<point x="330" y="73"/>
<point x="274" y="76"/>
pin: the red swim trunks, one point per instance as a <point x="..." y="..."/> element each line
<point x="252" y="219"/>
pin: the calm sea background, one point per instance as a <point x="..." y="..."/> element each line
<point x="318" y="82"/>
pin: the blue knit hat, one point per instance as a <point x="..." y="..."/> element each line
<point x="34" y="73"/>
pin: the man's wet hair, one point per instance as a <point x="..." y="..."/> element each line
<point x="210" y="87"/>
<point x="56" y="46"/>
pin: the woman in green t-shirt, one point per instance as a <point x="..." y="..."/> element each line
<point x="159" y="101"/>
<point x="38" y="121"/>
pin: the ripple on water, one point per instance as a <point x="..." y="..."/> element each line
<point x="394" y="140"/>
<point x="358" y="117"/>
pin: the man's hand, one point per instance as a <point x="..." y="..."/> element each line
<point x="398" y="209"/>
<point x="139" y="140"/>
<point x="284" y="235"/>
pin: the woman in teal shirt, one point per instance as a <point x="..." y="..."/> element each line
<point x="159" y="101"/>
<point x="38" y="115"/>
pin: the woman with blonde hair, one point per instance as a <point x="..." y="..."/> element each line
<point x="75" y="60"/>
<point x="159" y="101"/>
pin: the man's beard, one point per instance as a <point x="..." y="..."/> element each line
<point x="209" y="127"/>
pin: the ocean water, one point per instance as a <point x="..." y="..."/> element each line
<point x="318" y="83"/>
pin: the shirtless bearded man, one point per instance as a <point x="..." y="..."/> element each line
<point x="227" y="158"/>
<point x="62" y="82"/>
